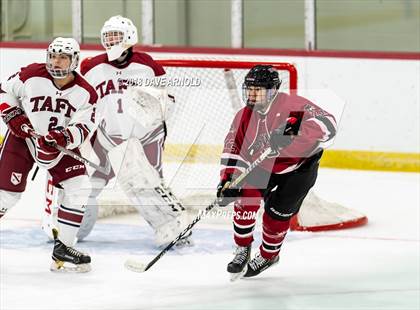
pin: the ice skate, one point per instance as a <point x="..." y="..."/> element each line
<point x="238" y="266"/>
<point x="258" y="264"/>
<point x="68" y="259"/>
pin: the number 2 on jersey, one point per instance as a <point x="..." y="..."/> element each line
<point x="53" y="123"/>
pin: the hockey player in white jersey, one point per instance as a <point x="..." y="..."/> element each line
<point x="129" y="112"/>
<point x="47" y="104"/>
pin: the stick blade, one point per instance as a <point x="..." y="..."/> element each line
<point x="135" y="265"/>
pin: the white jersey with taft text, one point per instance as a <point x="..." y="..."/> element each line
<point x="49" y="107"/>
<point x="110" y="82"/>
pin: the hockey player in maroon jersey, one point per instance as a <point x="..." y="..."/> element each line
<point x="116" y="75"/>
<point x="296" y="130"/>
<point x="55" y="102"/>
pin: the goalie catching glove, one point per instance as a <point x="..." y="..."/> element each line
<point x="148" y="105"/>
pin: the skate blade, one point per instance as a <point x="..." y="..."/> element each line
<point x="236" y="276"/>
<point x="245" y="276"/>
<point x="63" y="267"/>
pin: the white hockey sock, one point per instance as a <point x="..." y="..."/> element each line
<point x="71" y="209"/>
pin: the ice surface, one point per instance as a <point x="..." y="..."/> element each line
<point x="371" y="267"/>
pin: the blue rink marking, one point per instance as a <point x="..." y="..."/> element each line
<point x="118" y="238"/>
<point x="129" y="239"/>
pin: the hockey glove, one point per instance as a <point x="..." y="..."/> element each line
<point x="227" y="195"/>
<point x="59" y="137"/>
<point x="282" y="136"/>
<point x="17" y="122"/>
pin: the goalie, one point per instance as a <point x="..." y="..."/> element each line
<point x="131" y="114"/>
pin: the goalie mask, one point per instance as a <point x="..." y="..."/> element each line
<point x="62" y="46"/>
<point x="117" y="35"/>
<point x="260" y="87"/>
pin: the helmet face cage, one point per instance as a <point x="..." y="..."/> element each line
<point x="265" y="78"/>
<point x="117" y="35"/>
<point x="66" y="46"/>
<point x="270" y="93"/>
<point x="111" y="38"/>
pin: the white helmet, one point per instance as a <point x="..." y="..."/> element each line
<point x="67" y="46"/>
<point x="117" y="35"/>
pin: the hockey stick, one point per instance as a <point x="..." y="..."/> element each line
<point x="35" y="173"/>
<point x="104" y="170"/>
<point x="138" y="266"/>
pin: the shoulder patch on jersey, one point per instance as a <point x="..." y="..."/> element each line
<point x="34" y="70"/>
<point x="93" y="96"/>
<point x="91" y="62"/>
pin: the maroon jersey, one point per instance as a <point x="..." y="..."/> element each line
<point x="250" y="131"/>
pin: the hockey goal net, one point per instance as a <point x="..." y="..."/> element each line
<point x="208" y="93"/>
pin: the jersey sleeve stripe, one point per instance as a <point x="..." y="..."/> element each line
<point x="231" y="162"/>
<point x="330" y="124"/>
<point x="241" y="169"/>
<point x="234" y="156"/>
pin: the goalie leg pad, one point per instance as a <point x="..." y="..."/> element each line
<point x="138" y="179"/>
<point x="91" y="211"/>
<point x="89" y="219"/>
<point x="136" y="172"/>
<point x="142" y="184"/>
<point x="166" y="221"/>
<point x="8" y="200"/>
<point x="153" y="208"/>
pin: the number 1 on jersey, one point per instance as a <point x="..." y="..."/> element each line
<point x="119" y="102"/>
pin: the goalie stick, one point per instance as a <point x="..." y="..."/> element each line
<point x="104" y="170"/>
<point x="138" y="266"/>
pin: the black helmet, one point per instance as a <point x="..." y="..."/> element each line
<point x="263" y="76"/>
